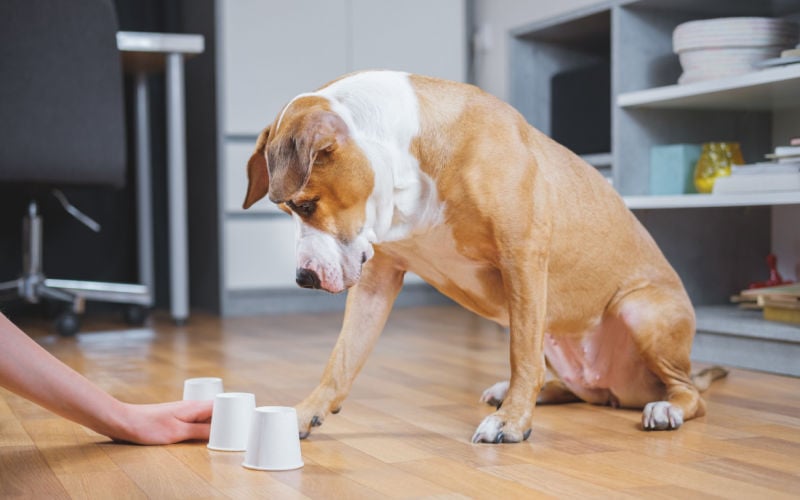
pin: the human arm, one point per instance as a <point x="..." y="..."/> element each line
<point x="30" y="371"/>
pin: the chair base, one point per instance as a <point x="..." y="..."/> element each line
<point x="33" y="286"/>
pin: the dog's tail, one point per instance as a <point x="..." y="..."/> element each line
<point x="702" y="379"/>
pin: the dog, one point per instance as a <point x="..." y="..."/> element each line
<point x="386" y="172"/>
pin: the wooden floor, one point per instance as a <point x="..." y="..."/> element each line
<point x="404" y="431"/>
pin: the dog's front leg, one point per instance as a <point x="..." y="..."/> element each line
<point x="526" y="287"/>
<point x="368" y="305"/>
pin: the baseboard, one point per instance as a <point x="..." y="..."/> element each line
<point x="298" y="300"/>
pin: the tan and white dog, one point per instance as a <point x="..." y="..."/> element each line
<point x="385" y="172"/>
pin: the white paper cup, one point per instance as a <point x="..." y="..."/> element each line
<point x="230" y="421"/>
<point x="202" y="388"/>
<point x="274" y="442"/>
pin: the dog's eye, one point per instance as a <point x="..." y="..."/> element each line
<point x="303" y="208"/>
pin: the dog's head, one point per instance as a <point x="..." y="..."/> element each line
<point x="310" y="166"/>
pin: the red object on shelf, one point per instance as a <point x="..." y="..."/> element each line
<point x="775" y="278"/>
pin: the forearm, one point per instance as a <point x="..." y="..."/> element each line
<point x="30" y="371"/>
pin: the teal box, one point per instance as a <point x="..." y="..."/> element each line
<point x="672" y="168"/>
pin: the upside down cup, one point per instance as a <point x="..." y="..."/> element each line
<point x="230" y="421"/>
<point x="202" y="388"/>
<point x="274" y="442"/>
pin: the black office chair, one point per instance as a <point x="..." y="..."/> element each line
<point x="62" y="123"/>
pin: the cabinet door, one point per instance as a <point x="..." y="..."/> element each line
<point x="272" y="50"/>
<point x="259" y="253"/>
<point x="420" y="36"/>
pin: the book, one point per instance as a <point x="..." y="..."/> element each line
<point x="787" y="151"/>
<point x="790" y="53"/>
<point x="782" y="315"/>
<point x="779" y="303"/>
<point x="757" y="183"/>
<point x="780" y="291"/>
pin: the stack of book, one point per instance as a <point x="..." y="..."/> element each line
<point x="779" y="303"/>
<point x="779" y="175"/>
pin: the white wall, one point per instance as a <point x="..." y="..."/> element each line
<point x="500" y="16"/>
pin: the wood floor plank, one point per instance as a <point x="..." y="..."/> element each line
<point x="101" y="485"/>
<point x="68" y="447"/>
<point x="469" y="481"/>
<point x="685" y="475"/>
<point x="752" y="474"/>
<point x="25" y="474"/>
<point x="158" y="473"/>
<point x="13" y="433"/>
<point x="368" y="470"/>
<point x="552" y="482"/>
<point x="224" y="472"/>
<point x="405" y="429"/>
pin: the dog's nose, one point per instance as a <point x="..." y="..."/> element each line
<point x="307" y="278"/>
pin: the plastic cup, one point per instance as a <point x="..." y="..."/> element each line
<point x="230" y="421"/>
<point x="274" y="442"/>
<point x="202" y="388"/>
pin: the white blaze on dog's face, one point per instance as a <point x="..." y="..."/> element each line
<point x="308" y="164"/>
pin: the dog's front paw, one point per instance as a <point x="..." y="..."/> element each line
<point x="661" y="415"/>
<point x="495" y="394"/>
<point x="495" y="429"/>
<point x="309" y="417"/>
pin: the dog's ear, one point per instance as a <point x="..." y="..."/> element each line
<point x="322" y="133"/>
<point x="325" y="136"/>
<point x="257" y="173"/>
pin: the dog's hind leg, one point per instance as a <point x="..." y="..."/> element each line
<point x="661" y="323"/>
<point x="553" y="392"/>
<point x="494" y="395"/>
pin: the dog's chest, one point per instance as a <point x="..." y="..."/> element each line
<point x="435" y="257"/>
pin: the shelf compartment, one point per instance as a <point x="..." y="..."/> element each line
<point x="737" y="337"/>
<point x="762" y="90"/>
<point x="713" y="200"/>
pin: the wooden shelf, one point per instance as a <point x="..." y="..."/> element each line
<point x="761" y="90"/>
<point x="713" y="200"/>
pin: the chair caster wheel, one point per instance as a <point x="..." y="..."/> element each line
<point x="67" y="324"/>
<point x="136" y="315"/>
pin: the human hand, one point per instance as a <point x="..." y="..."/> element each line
<point x="164" y="423"/>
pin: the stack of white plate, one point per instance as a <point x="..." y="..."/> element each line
<point x="716" y="48"/>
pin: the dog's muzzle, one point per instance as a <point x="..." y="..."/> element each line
<point x="307" y="278"/>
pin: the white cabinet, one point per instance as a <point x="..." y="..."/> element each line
<point x="272" y="50"/>
<point x="268" y="51"/>
<point x="259" y="253"/>
<point x="420" y="36"/>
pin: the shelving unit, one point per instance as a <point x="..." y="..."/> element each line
<point x="716" y="243"/>
<point x="712" y="200"/>
<point x="762" y="90"/>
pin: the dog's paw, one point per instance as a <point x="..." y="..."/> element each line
<point x="307" y="419"/>
<point x="495" y="394"/>
<point x="494" y="429"/>
<point x="661" y="415"/>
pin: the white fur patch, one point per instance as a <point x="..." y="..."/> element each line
<point x="382" y="112"/>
